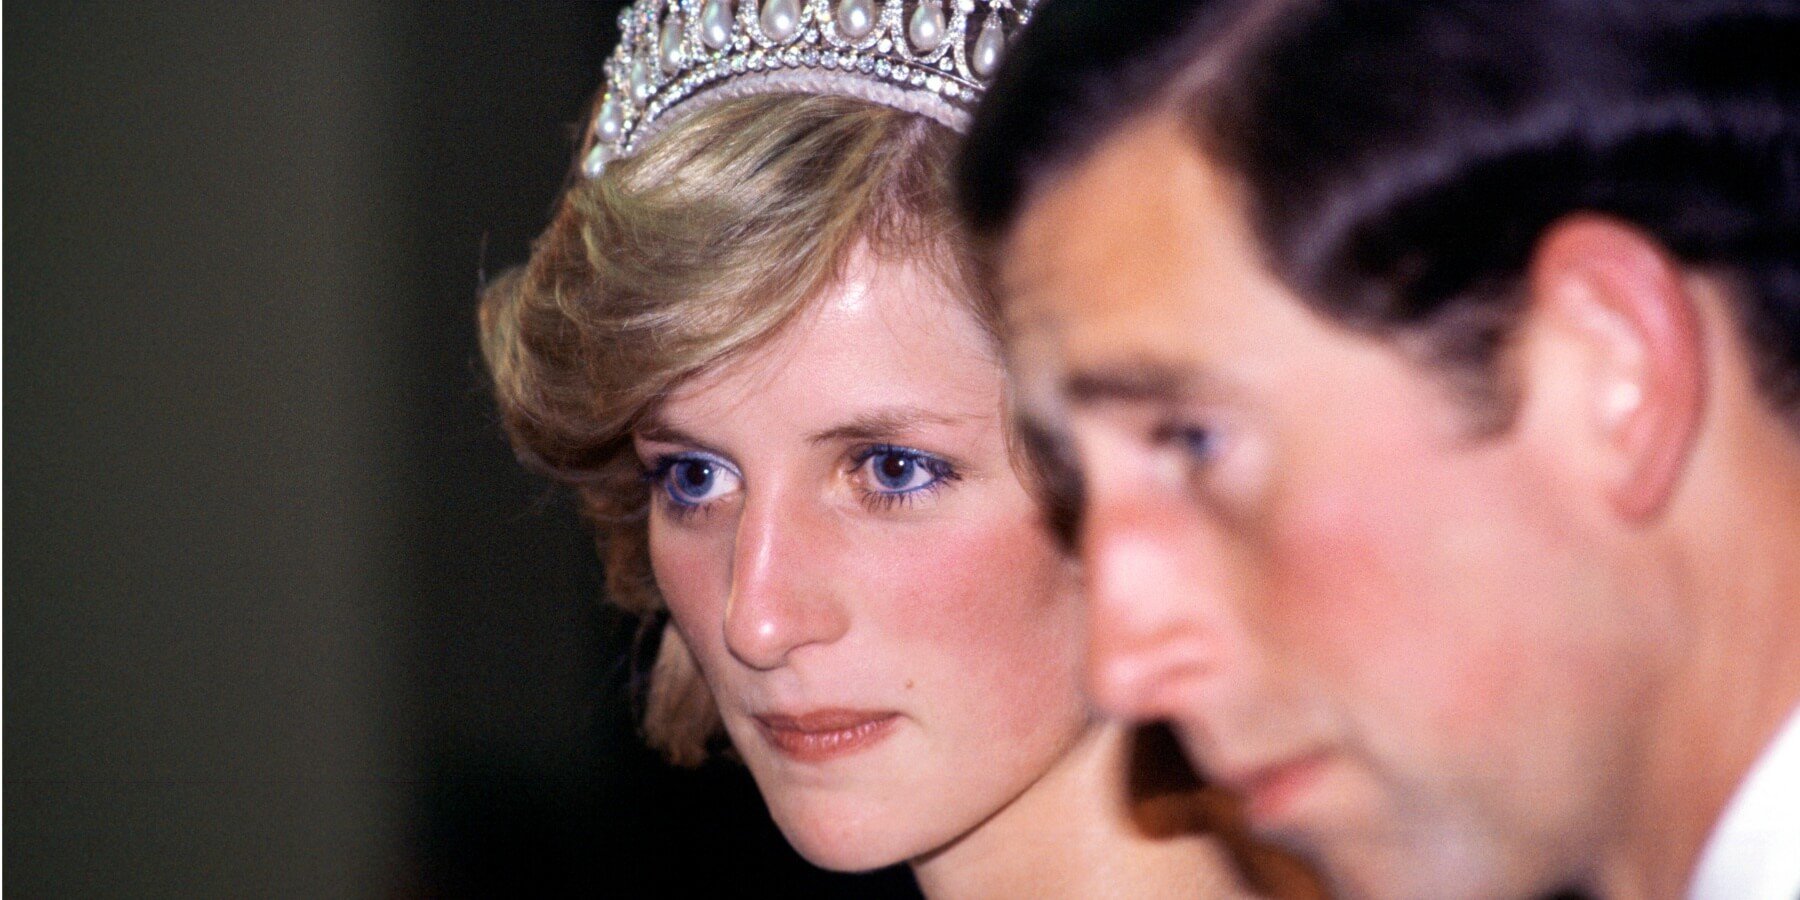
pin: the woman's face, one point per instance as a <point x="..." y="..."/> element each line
<point x="892" y="639"/>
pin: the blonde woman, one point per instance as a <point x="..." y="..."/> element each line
<point x="752" y="341"/>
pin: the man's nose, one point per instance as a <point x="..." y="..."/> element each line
<point x="1153" y="633"/>
<point x="782" y="584"/>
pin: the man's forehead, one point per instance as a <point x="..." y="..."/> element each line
<point x="1126" y="253"/>
<point x="1120" y="196"/>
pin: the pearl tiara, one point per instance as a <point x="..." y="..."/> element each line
<point x="676" y="56"/>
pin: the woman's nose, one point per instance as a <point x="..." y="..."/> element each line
<point x="783" y="586"/>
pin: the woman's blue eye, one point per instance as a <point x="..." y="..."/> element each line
<point x="693" y="480"/>
<point x="898" y="471"/>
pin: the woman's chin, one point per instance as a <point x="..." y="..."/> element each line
<point x="843" y="841"/>
<point x="843" y="853"/>
<point x="845" y="859"/>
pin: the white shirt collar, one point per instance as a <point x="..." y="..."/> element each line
<point x="1754" y="851"/>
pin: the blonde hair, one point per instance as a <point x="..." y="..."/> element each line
<point x="703" y="245"/>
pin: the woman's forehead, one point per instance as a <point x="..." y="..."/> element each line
<point x="887" y="336"/>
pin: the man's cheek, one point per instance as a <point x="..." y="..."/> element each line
<point x="1361" y="604"/>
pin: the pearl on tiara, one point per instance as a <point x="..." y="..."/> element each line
<point x="932" y="57"/>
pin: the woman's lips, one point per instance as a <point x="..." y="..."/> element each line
<point x="825" y="733"/>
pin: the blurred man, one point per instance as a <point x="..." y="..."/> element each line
<point x="1433" y="375"/>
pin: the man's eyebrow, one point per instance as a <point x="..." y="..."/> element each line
<point x="1142" y="381"/>
<point x="884" y="424"/>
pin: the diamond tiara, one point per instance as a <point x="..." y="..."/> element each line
<point x="931" y="57"/>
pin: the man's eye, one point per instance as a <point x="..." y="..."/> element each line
<point x="1200" y="443"/>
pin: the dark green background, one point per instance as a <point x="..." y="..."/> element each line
<point x="282" y="617"/>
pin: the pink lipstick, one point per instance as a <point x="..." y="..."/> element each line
<point x="826" y="733"/>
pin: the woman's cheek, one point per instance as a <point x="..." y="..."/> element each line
<point x="692" y="577"/>
<point x="993" y="604"/>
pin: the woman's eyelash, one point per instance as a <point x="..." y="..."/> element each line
<point x="904" y="463"/>
<point x="882" y="501"/>
<point x="906" y="476"/>
<point x="661" y="474"/>
<point x="656" y="475"/>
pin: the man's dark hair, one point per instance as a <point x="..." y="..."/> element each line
<point x="1402" y="157"/>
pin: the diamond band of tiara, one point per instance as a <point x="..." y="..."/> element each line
<point x="930" y="57"/>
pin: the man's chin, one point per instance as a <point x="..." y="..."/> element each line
<point x="1412" y="861"/>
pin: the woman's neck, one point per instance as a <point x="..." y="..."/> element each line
<point x="1071" y="835"/>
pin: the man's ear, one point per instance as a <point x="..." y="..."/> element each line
<point x="1629" y="354"/>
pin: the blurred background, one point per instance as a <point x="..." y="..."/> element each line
<point x="282" y="616"/>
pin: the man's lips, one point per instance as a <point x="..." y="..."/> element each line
<point x="822" y="734"/>
<point x="1272" y="791"/>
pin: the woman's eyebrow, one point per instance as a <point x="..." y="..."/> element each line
<point x="658" y="431"/>
<point x="880" y="424"/>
